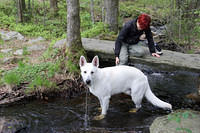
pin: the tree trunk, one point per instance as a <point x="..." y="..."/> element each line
<point x="75" y="49"/>
<point x="102" y="11"/>
<point x="20" y="8"/>
<point x="33" y="10"/>
<point x="44" y="15"/>
<point x="111" y="16"/>
<point x="73" y="23"/>
<point x="29" y="6"/>
<point x="54" y="7"/>
<point x="23" y="5"/>
<point x="92" y="10"/>
<point x="29" y="9"/>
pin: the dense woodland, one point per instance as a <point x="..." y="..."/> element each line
<point x="102" y="19"/>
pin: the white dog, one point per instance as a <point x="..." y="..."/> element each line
<point x="105" y="82"/>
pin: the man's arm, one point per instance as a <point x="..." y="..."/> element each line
<point x="149" y="37"/>
<point x="151" y="46"/>
<point x="121" y="37"/>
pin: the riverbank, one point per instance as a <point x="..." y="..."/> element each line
<point x="30" y="68"/>
<point x="68" y="89"/>
<point x="17" y="49"/>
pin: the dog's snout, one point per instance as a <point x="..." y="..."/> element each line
<point x="88" y="81"/>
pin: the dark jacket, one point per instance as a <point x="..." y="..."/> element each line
<point x="130" y="34"/>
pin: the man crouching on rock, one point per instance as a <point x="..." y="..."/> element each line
<point x="130" y="35"/>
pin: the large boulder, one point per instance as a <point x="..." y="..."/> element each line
<point x="186" y="121"/>
<point x="170" y="59"/>
<point x="9" y="35"/>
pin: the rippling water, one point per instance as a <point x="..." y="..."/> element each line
<point x="62" y="115"/>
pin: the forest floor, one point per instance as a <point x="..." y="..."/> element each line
<point x="31" y="51"/>
<point x="33" y="57"/>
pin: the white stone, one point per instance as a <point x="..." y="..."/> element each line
<point x="18" y="52"/>
<point x="6" y="50"/>
<point x="9" y="35"/>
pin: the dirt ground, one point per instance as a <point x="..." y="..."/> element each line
<point x="32" y="57"/>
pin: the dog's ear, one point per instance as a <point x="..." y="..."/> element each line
<point x="95" y="61"/>
<point x="82" y="61"/>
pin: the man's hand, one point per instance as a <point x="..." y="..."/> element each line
<point x="117" y="60"/>
<point x="155" y="55"/>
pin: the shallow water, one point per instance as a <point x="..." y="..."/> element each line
<point x="66" y="116"/>
<point x="63" y="115"/>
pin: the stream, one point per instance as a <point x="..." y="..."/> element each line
<point x="68" y="115"/>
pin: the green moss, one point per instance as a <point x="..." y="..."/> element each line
<point x="73" y="55"/>
<point x="178" y="116"/>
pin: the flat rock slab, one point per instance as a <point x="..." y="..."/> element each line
<point x="105" y="50"/>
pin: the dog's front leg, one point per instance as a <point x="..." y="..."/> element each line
<point x="105" y="104"/>
<point x="101" y="104"/>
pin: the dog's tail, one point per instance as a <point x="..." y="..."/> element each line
<point x="156" y="101"/>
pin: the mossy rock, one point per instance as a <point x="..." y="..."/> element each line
<point x="187" y="121"/>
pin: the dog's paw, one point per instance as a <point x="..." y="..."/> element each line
<point x="99" y="109"/>
<point x="99" y="117"/>
<point x="133" y="110"/>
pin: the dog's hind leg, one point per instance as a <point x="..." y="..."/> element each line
<point x="137" y="104"/>
<point x="137" y="94"/>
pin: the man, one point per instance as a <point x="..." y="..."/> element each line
<point x="130" y="35"/>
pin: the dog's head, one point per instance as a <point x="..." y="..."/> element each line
<point x="89" y="70"/>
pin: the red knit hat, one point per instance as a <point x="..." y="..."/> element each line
<point x="144" y="21"/>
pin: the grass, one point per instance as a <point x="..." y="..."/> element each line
<point x="32" y="74"/>
<point x="2" y="55"/>
<point x="40" y="84"/>
<point x="1" y="40"/>
<point x="11" y="78"/>
<point x="25" y="51"/>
